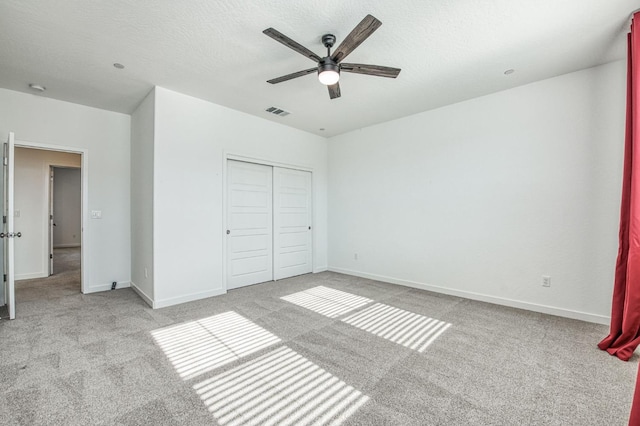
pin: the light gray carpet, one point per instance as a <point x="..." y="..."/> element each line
<point x="250" y="357"/>
<point x="66" y="262"/>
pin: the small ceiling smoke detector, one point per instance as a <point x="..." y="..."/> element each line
<point x="509" y="71"/>
<point x="37" y="87"/>
<point x="277" y="111"/>
<point x="119" y="66"/>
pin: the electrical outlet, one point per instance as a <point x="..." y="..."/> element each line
<point x="546" y="281"/>
<point x="355" y="256"/>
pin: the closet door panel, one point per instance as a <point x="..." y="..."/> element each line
<point x="292" y="227"/>
<point x="249" y="224"/>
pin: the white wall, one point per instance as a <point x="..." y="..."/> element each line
<point x="482" y="198"/>
<point x="31" y="200"/>
<point x="142" y="135"/>
<point x="106" y="136"/>
<point x="67" y="206"/>
<point x="191" y="138"/>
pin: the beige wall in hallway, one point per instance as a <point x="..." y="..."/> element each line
<point x="31" y="208"/>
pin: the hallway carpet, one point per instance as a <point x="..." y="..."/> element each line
<point x="65" y="280"/>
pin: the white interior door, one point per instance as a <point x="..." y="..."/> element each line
<point x="292" y="243"/>
<point x="3" y="284"/>
<point x="51" y="223"/>
<point x="249" y="224"/>
<point x="8" y="232"/>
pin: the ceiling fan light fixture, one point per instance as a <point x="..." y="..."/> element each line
<point x="328" y="71"/>
<point x="328" y="78"/>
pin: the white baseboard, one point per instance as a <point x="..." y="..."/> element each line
<point x="544" y="309"/>
<point x="31" y="276"/>
<point x="66" y="245"/>
<point x="320" y="269"/>
<point x="188" y="298"/>
<point x="106" y="287"/>
<point x="142" y="294"/>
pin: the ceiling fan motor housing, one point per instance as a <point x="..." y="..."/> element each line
<point x="328" y="64"/>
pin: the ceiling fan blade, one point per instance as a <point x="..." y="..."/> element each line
<point x="292" y="75"/>
<point x="334" y="90"/>
<point x="279" y="37"/>
<point x="377" y="70"/>
<point x="364" y="29"/>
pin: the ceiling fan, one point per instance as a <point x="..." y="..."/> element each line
<point x="330" y="66"/>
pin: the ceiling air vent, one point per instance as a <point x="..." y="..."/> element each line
<point x="277" y="111"/>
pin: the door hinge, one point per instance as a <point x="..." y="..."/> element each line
<point x="4" y="219"/>
<point x="4" y="277"/>
<point x="50" y="255"/>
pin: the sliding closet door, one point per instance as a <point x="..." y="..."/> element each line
<point x="291" y="222"/>
<point x="250" y="224"/>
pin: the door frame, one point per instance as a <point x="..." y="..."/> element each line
<point x="50" y="194"/>
<point x="84" y="184"/>
<point x="265" y="162"/>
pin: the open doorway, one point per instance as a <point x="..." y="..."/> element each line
<point x="48" y="208"/>
<point x="65" y="220"/>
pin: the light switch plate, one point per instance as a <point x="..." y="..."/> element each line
<point x="96" y="214"/>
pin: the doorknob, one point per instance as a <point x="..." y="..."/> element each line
<point x="19" y="234"/>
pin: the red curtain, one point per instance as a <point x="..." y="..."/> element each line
<point x="624" y="334"/>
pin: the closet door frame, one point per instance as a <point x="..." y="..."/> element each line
<point x="266" y="162"/>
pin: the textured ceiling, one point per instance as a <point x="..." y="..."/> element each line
<point x="449" y="50"/>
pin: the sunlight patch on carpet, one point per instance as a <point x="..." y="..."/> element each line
<point x="399" y="326"/>
<point x="279" y="388"/>
<point x="327" y="301"/>
<point x="197" y="347"/>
